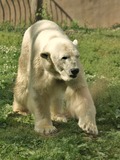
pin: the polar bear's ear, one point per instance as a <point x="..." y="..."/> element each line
<point x="75" y="42"/>
<point x="45" y="55"/>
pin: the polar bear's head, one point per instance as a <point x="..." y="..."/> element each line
<point x="61" y="58"/>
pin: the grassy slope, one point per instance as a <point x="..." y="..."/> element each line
<point x="100" y="55"/>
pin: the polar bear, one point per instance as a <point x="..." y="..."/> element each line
<point x="50" y="71"/>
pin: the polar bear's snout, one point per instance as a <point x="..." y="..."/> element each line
<point x="74" y="72"/>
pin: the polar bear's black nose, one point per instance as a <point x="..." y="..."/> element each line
<point x="75" y="71"/>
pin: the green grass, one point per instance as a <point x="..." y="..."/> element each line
<point x="100" y="55"/>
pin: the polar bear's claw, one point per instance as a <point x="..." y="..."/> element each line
<point x="47" y="130"/>
<point x="89" y="127"/>
<point x="59" y="118"/>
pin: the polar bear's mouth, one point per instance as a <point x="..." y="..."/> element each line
<point x="73" y="76"/>
<point x="69" y="74"/>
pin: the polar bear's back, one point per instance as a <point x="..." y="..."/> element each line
<point x="40" y="26"/>
<point x="43" y="25"/>
<point x="42" y="30"/>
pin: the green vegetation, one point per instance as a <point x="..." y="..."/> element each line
<point x="100" y="55"/>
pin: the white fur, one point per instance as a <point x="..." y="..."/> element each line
<point x="75" y="42"/>
<point x="50" y="71"/>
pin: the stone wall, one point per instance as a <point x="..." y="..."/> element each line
<point x="90" y="13"/>
<point x="18" y="11"/>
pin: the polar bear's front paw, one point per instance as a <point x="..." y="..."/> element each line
<point x="59" y="118"/>
<point x="88" y="126"/>
<point x="46" y="130"/>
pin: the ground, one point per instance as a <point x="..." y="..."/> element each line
<point x="100" y="55"/>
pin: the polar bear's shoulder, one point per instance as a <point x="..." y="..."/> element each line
<point x="43" y="25"/>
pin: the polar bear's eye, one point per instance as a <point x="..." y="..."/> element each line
<point x="65" y="57"/>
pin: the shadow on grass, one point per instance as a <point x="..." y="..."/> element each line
<point x="16" y="128"/>
<point x="6" y="93"/>
<point x="106" y="97"/>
